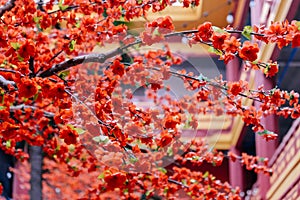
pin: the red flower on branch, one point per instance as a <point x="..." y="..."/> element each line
<point x="171" y="120"/>
<point x="27" y="88"/>
<point x="118" y="67"/>
<point x="271" y="69"/>
<point x="165" y="25"/>
<point x="8" y="130"/>
<point x="166" y="139"/>
<point x="69" y="135"/>
<point x="296" y="40"/>
<point x="205" y="31"/>
<point x="27" y="50"/>
<point x="218" y="39"/>
<point x="115" y="180"/>
<point x="231" y="45"/>
<point x="236" y="88"/>
<point x="249" y="51"/>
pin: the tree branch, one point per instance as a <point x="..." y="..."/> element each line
<point x="4" y="83"/>
<point x="23" y="106"/>
<point x="31" y="66"/>
<point x="99" y="58"/>
<point x="8" y="6"/>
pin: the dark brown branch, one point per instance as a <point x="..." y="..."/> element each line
<point x="177" y="183"/>
<point x="11" y="71"/>
<point x="67" y="9"/>
<point x="23" y="106"/>
<point x="55" y="55"/>
<point x="7" y="7"/>
<point x="31" y="66"/>
<point x="73" y="7"/>
<point x="240" y="32"/>
<point x="4" y="83"/>
<point x="98" y="58"/>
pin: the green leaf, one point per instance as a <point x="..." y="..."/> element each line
<point x="71" y="147"/>
<point x="15" y="45"/>
<point x="166" y="190"/>
<point x="193" y="181"/>
<point x="202" y="78"/>
<point x="218" y="30"/>
<point x="8" y="144"/>
<point x="71" y="126"/>
<point x="247" y="32"/>
<point x="261" y="159"/>
<point x="163" y="170"/>
<point x="72" y="45"/>
<point x="2" y="107"/>
<point x="64" y="74"/>
<point x="36" y="19"/>
<point x="265" y="132"/>
<point x="35" y="96"/>
<point x="272" y="91"/>
<point x="101" y="176"/>
<point x="102" y="138"/>
<point x="13" y="66"/>
<point x="119" y="22"/>
<point x="214" y="163"/>
<point x="79" y="130"/>
<point x="20" y="58"/>
<point x="205" y="175"/>
<point x="298" y="24"/>
<point x="2" y="95"/>
<point x="133" y="159"/>
<point x="61" y="6"/>
<point x="149" y="192"/>
<point x="170" y="151"/>
<point x="104" y="14"/>
<point x="67" y="160"/>
<point x="156" y="32"/>
<point x="215" y="51"/>
<point x="77" y="24"/>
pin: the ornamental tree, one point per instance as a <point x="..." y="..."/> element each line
<point x="77" y="108"/>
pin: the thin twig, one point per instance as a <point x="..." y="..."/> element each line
<point x="86" y="106"/>
<point x="240" y="32"/>
<point x="55" y="55"/>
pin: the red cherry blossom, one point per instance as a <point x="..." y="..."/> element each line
<point x="249" y="51"/>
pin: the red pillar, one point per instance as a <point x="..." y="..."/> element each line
<point x="265" y="148"/>
<point x="236" y="177"/>
<point x="235" y="168"/>
<point x="233" y="70"/>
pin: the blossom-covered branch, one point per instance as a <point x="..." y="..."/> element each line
<point x="6" y="7"/>
<point x="23" y="106"/>
<point x="5" y="83"/>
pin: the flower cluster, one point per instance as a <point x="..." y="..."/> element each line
<point x="48" y="72"/>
